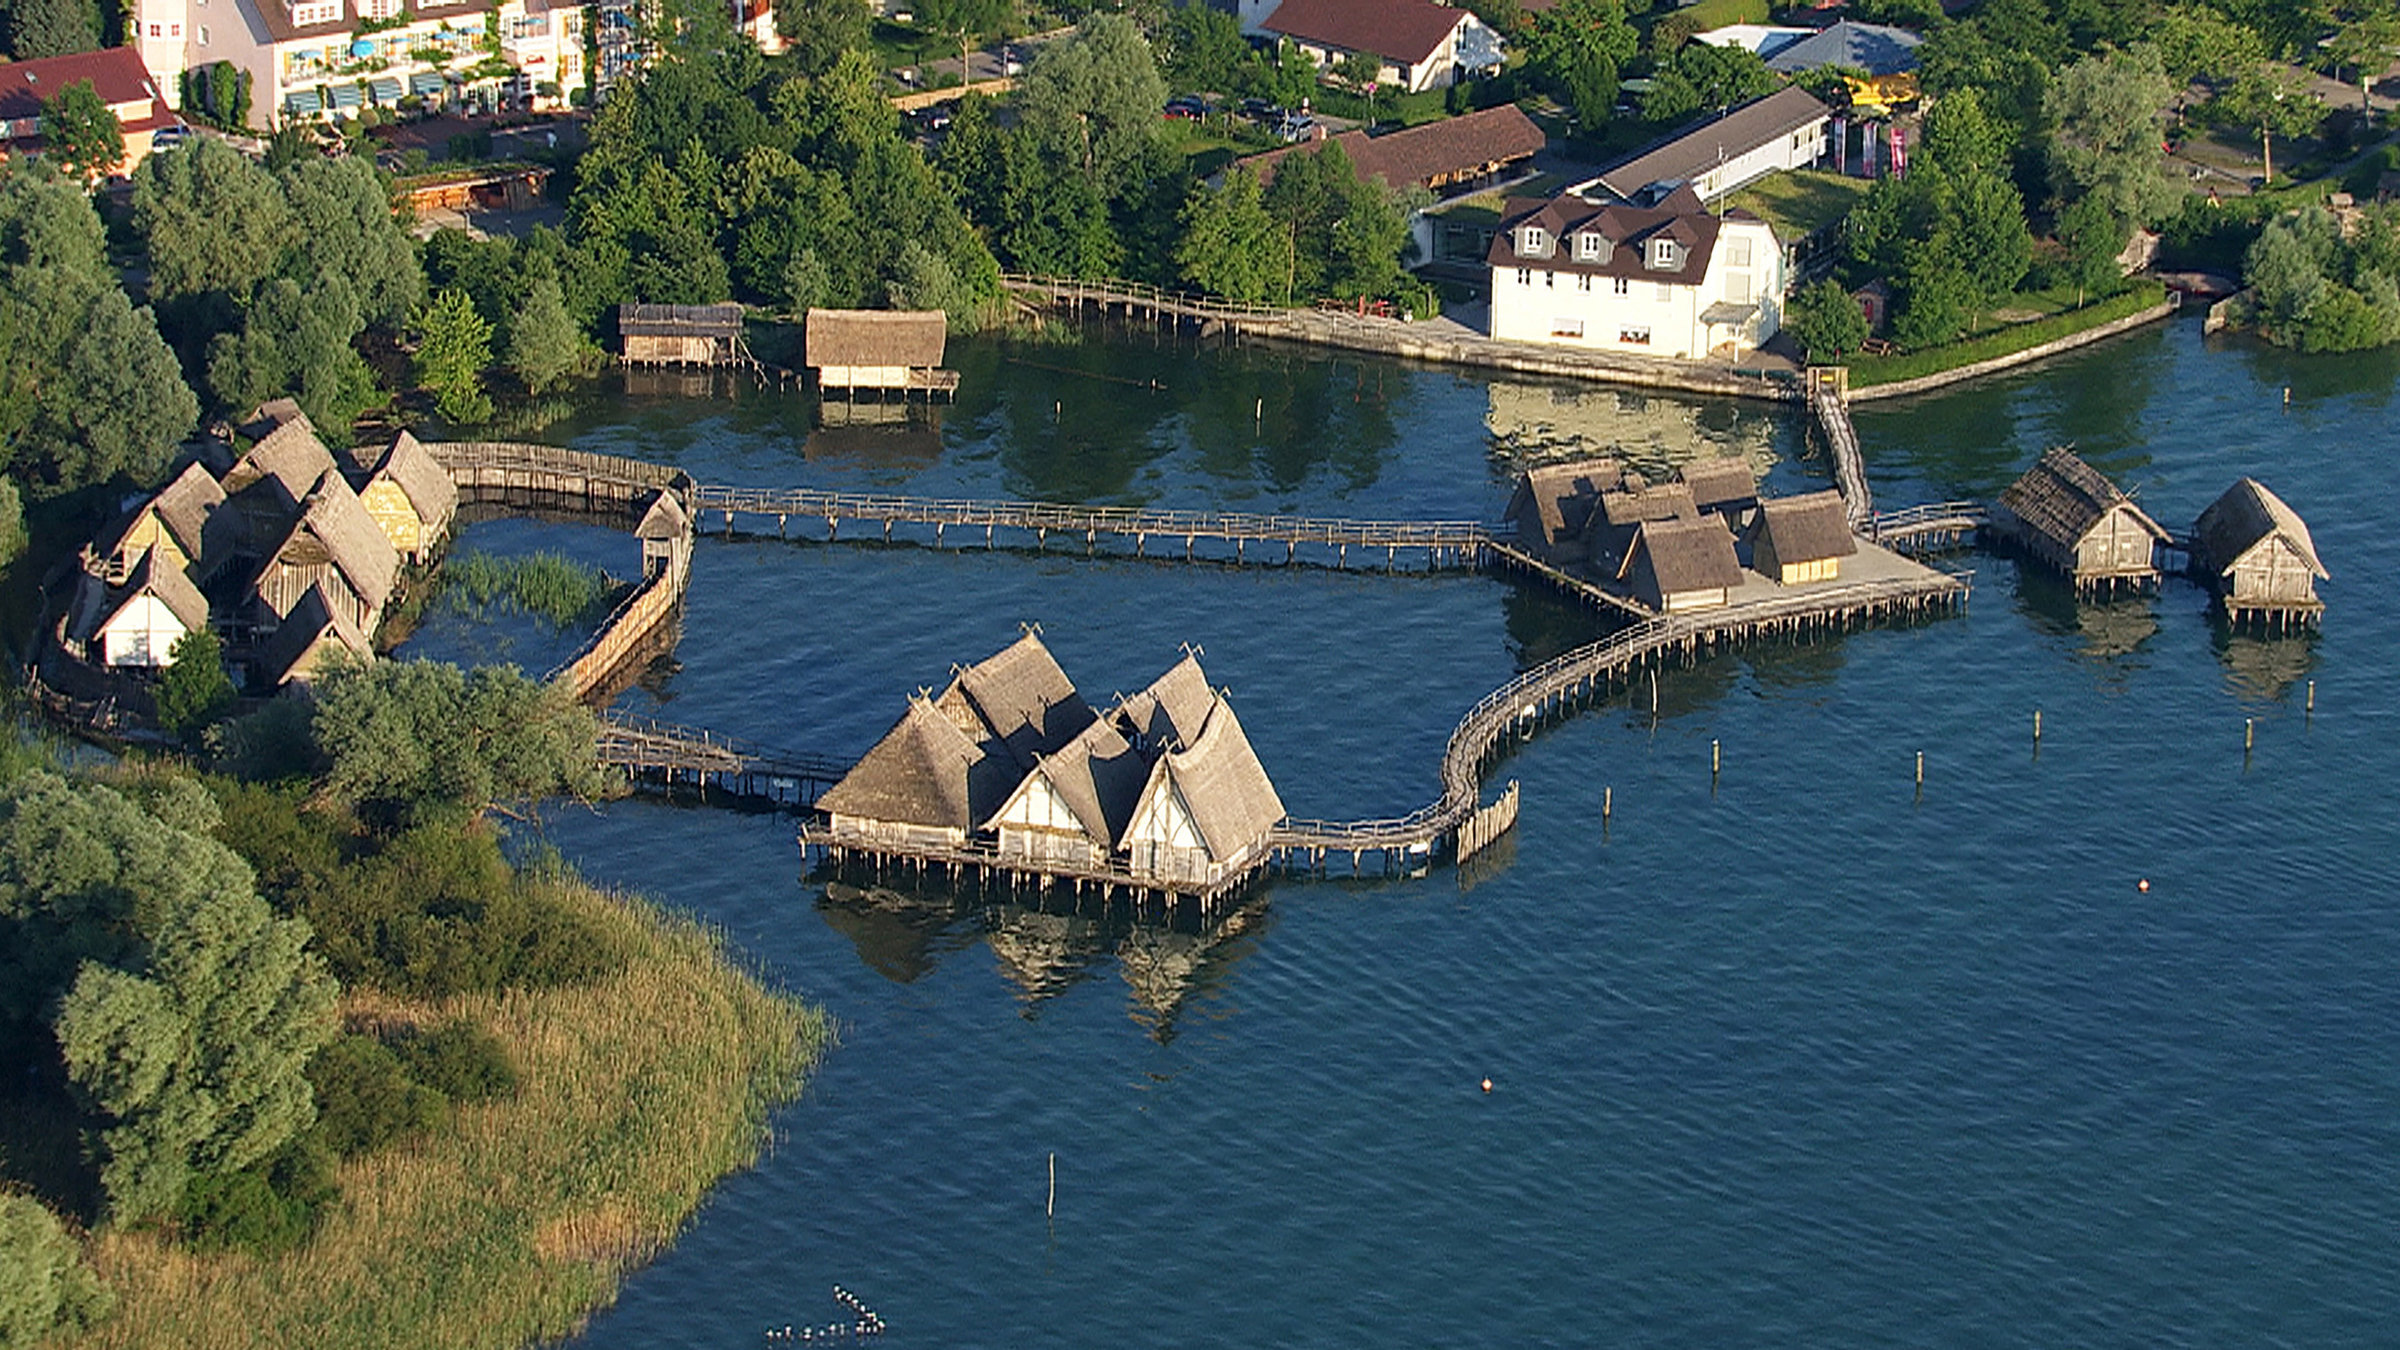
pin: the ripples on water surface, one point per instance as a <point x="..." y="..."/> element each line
<point x="1799" y="1060"/>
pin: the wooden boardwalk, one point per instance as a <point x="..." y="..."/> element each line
<point x="667" y="754"/>
<point x="1929" y="528"/>
<point x="1460" y="542"/>
<point x="1828" y="403"/>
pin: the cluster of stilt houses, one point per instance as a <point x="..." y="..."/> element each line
<point x="1686" y="543"/>
<point x="2248" y="546"/>
<point x="290" y="553"/>
<point x="1008" y="773"/>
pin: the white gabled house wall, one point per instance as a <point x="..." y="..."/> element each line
<point x="142" y="632"/>
<point x="1163" y="840"/>
<point x="1534" y="301"/>
<point x="1037" y="825"/>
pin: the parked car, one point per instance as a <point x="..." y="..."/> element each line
<point x="1296" y="127"/>
<point x="1265" y="112"/>
<point x="1188" y="107"/>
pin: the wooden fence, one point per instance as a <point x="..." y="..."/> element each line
<point x="1488" y="823"/>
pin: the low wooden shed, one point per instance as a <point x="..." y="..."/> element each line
<point x="2256" y="552"/>
<point x="2067" y="515"/>
<point x="880" y="351"/>
<point x="681" y="335"/>
<point x="1683" y="563"/>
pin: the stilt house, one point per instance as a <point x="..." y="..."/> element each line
<point x="1609" y="535"/>
<point x="1017" y="703"/>
<point x="1073" y="806"/>
<point x="2257" y="553"/>
<point x="312" y="638"/>
<point x="1681" y="563"/>
<point x="1723" y="485"/>
<point x="1554" y="502"/>
<point x="1206" y="813"/>
<point x="680" y="335"/>
<point x="181" y="523"/>
<point x="880" y="350"/>
<point x="138" y="623"/>
<point x="332" y="545"/>
<point x="1802" y="539"/>
<point x="924" y="785"/>
<point x="408" y="495"/>
<point x="267" y="483"/>
<point x="666" y="534"/>
<point x="2070" y="517"/>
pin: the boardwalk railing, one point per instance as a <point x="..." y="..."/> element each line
<point x="1043" y="518"/>
<point x="639" y="743"/>
<point x="1849" y="464"/>
<point x="1139" y="295"/>
<point x="1950" y="519"/>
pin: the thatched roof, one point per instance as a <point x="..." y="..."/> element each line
<point x="1557" y="499"/>
<point x="923" y="772"/>
<point x="1686" y="555"/>
<point x="2061" y="498"/>
<point x="876" y="337"/>
<point x="664" y="519"/>
<point x="311" y="622"/>
<point x="269" y="415"/>
<point x="1663" y="501"/>
<point x="1808" y="528"/>
<point x="2235" y="523"/>
<point x="333" y="526"/>
<point x="168" y="585"/>
<point x="711" y="321"/>
<point x="1099" y="776"/>
<point x="1020" y="698"/>
<point x="422" y="479"/>
<point x="289" y="459"/>
<point x="1232" y="801"/>
<point x="1725" y="481"/>
<point x="187" y="508"/>
<point x="1170" y="712"/>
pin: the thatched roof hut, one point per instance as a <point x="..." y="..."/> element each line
<point x="335" y="544"/>
<point x="2068" y="515"/>
<point x="1681" y="563"/>
<point x="1724" y="484"/>
<point x="182" y="519"/>
<point x="665" y="530"/>
<point x="1207" y="810"/>
<point x="1170" y="711"/>
<point x="925" y="784"/>
<point x="408" y="494"/>
<point x="1073" y="806"/>
<point x="680" y="335"/>
<point x="1802" y="539"/>
<point x="1019" y="699"/>
<point x="312" y="637"/>
<point x="901" y="349"/>
<point x="288" y="451"/>
<point x="1609" y="534"/>
<point x="1553" y="502"/>
<point x="2258" y="554"/>
<point x="139" y="623"/>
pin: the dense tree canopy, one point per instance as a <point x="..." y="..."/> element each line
<point x="2319" y="290"/>
<point x="80" y="134"/>
<point x="2108" y="111"/>
<point x="413" y="734"/>
<point x="45" y="1285"/>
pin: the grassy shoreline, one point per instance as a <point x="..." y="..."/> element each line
<point x="1868" y="371"/>
<point x="514" y="1224"/>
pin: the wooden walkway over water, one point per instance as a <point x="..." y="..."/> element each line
<point x="1828" y="402"/>
<point x="667" y="755"/>
<point x="1459" y="542"/>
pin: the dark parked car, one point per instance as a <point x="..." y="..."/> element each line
<point x="1187" y="106"/>
<point x="1261" y="110"/>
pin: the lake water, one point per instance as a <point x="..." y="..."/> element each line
<point x="1802" y="1057"/>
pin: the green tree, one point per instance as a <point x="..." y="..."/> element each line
<point x="80" y="134"/>
<point x="2093" y="237"/>
<point x="212" y="220"/>
<point x="963" y="20"/>
<point x="409" y="735"/>
<point x="194" y="692"/>
<point x="1201" y="48"/>
<point x="2107" y="114"/>
<point x="1699" y="77"/>
<point x="817" y="32"/>
<point x="1227" y="240"/>
<point x="544" y="344"/>
<point x="1362" y="71"/>
<point x="454" y="345"/>
<point x="297" y="342"/>
<point x="1937" y="294"/>
<point x="2365" y="42"/>
<point x="1092" y="100"/>
<point x="38" y="28"/>
<point x="1825" y="320"/>
<point x="2196" y="42"/>
<point x="45" y="1285"/>
<point x="12" y="524"/>
<point x="2272" y="100"/>
<point x="344" y="228"/>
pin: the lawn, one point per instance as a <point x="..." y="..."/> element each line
<point x="1718" y="13"/>
<point x="1800" y="203"/>
<point x="2056" y="323"/>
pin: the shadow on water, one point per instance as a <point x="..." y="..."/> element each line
<point x="1543" y="624"/>
<point x="2312" y="378"/>
<point x="1045" y="948"/>
<point x="2263" y="668"/>
<point x="2108" y="634"/>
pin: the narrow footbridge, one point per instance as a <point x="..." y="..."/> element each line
<point x="1934" y="525"/>
<point x="1459" y="540"/>
<point x="1826" y="399"/>
<point x="663" y="752"/>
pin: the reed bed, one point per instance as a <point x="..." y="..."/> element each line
<point x="514" y="1224"/>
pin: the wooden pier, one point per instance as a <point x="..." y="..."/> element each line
<point x="1934" y="527"/>
<point x="1828" y="391"/>
<point x="667" y="755"/>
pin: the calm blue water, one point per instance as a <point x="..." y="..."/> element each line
<point x="1804" y="1059"/>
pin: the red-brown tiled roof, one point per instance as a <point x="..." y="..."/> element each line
<point x="1435" y="152"/>
<point x="117" y="75"/>
<point x="1406" y="31"/>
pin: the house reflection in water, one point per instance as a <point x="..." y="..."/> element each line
<point x="1649" y="434"/>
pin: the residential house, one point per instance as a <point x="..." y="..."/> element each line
<point x="1802" y="539"/>
<point x="1669" y="279"/>
<point x="116" y="74"/>
<point x="1421" y="45"/>
<point x="139" y="623"/>
<point x="1681" y="564"/>
<point x="2257" y="553"/>
<point x="182" y="523"/>
<point x="409" y="496"/>
<point x="1454" y="154"/>
<point x="1553" y="503"/>
<point x="1771" y="133"/>
<point x="2067" y="515"/>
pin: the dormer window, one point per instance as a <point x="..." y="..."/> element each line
<point x="1591" y="246"/>
<point x="1664" y="255"/>
<point x="1533" y="241"/>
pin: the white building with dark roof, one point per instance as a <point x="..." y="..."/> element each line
<point x="1421" y="45"/>
<point x="1771" y="133"/>
<point x="1674" y="279"/>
